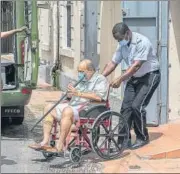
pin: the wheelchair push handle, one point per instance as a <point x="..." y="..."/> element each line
<point x="62" y="98"/>
<point x="108" y="93"/>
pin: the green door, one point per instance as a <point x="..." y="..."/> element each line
<point x="27" y="42"/>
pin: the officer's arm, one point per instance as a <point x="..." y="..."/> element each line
<point x="109" y="68"/>
<point x="143" y="49"/>
<point x="131" y="70"/>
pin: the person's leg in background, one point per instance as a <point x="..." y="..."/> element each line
<point x="142" y="99"/>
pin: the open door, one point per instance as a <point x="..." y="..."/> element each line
<point x="27" y="43"/>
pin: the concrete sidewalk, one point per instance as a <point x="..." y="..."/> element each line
<point x="161" y="155"/>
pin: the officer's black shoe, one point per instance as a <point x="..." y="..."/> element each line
<point x="129" y="144"/>
<point x="139" y="143"/>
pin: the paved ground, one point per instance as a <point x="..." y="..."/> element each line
<point x="16" y="157"/>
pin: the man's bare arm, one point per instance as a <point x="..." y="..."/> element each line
<point x="8" y="33"/>
<point x="90" y="96"/>
<point x="12" y="32"/>
<point x="109" y="68"/>
<point x="131" y="70"/>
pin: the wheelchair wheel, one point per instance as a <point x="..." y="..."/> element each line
<point x="52" y="143"/>
<point x="113" y="127"/>
<point x="75" y="155"/>
<point x="95" y="132"/>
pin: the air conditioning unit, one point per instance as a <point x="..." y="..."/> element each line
<point x="43" y="4"/>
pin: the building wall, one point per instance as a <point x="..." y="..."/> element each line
<point x="109" y="13"/>
<point x="174" y="60"/>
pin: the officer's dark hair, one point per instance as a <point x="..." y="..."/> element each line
<point x="121" y="27"/>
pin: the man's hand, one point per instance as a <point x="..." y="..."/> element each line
<point x="21" y="29"/>
<point x="72" y="90"/>
<point x="116" y="83"/>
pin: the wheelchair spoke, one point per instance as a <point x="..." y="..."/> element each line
<point x="103" y="143"/>
<point x="121" y="135"/>
<point x="109" y="146"/>
<point x="96" y="138"/>
<point x="115" y="128"/>
<point x="121" y="128"/>
<point x="105" y="128"/>
<point x="102" y="135"/>
<point x="115" y="143"/>
<point x="110" y="120"/>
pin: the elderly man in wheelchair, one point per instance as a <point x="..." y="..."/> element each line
<point x="94" y="88"/>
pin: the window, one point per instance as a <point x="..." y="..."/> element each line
<point x="68" y="7"/>
<point x="6" y="25"/>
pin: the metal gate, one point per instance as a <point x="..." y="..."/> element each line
<point x="7" y="24"/>
<point x="90" y="31"/>
<point x="150" y="18"/>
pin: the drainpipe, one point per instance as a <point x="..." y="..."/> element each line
<point x="58" y="61"/>
<point x="58" y="36"/>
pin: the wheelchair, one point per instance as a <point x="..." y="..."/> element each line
<point x="98" y="130"/>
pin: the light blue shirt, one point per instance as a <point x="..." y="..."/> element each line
<point x="140" y="48"/>
<point x="97" y="84"/>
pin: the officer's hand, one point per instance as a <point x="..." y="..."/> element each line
<point x="115" y="83"/>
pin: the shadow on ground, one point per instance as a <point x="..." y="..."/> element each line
<point x="22" y="132"/>
<point x="155" y="135"/>
<point x="5" y="161"/>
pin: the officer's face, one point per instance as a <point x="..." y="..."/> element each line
<point x="119" y="37"/>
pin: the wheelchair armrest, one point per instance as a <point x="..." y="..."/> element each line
<point x="98" y="103"/>
<point x="93" y="111"/>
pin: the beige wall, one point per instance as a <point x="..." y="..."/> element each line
<point x="174" y="60"/>
<point x="71" y="56"/>
<point x="46" y="35"/>
<point x="110" y="13"/>
<point x="175" y="13"/>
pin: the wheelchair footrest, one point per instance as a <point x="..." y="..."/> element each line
<point x="56" y="154"/>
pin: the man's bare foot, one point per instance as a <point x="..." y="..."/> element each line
<point x="55" y="151"/>
<point x="39" y="146"/>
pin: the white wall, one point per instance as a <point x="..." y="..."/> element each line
<point x="174" y="73"/>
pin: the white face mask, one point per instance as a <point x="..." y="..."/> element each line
<point x="124" y="42"/>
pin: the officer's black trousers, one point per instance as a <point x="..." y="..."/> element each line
<point x="137" y="95"/>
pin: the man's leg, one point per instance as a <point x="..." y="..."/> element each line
<point x="48" y="124"/>
<point x="47" y="127"/>
<point x="142" y="99"/>
<point x="65" y="127"/>
<point x="126" y="109"/>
